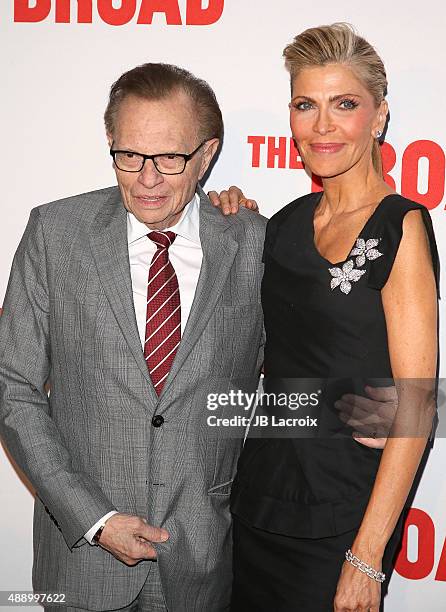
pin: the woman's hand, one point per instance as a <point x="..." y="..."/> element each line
<point x="357" y="592"/>
<point x="371" y="417"/>
<point x="229" y="201"/>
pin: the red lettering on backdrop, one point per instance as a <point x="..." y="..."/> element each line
<point x="422" y="567"/>
<point x="409" y="175"/>
<point x="169" y="7"/>
<point x="388" y="155"/>
<point x="116" y="16"/>
<point x="84" y="11"/>
<point x="279" y="147"/>
<point x="278" y="152"/>
<point x="256" y="142"/>
<point x="197" y="15"/>
<point x="316" y="183"/>
<point x="441" y="570"/>
<point x="26" y="14"/>
<point x="295" y="161"/>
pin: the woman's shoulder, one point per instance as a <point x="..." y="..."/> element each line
<point x="291" y="214"/>
<point x="396" y="206"/>
<point x="299" y="205"/>
<point x="390" y="225"/>
<point x="398" y="212"/>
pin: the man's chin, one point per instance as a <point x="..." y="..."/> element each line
<point x="154" y="219"/>
<point x="155" y="224"/>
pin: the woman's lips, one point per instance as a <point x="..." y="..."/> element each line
<point x="327" y="147"/>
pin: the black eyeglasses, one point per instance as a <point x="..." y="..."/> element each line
<point x="165" y="163"/>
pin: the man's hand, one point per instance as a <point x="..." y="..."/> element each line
<point x="129" y="538"/>
<point x="229" y="201"/>
<point x="371" y="417"/>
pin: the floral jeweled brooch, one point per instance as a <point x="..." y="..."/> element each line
<point x="345" y="276"/>
<point x="364" y="250"/>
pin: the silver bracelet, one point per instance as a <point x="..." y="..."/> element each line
<point x="363" y="567"/>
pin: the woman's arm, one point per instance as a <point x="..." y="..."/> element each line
<point x="410" y="307"/>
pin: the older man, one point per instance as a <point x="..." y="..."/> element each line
<point x="135" y="303"/>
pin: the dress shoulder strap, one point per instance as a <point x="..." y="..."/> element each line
<point x="388" y="227"/>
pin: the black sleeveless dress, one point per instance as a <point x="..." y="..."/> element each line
<point x="299" y="499"/>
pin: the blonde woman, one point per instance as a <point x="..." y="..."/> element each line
<point x="349" y="293"/>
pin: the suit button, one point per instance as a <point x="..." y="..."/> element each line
<point x="157" y="420"/>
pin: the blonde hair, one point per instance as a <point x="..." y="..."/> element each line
<point x="339" y="44"/>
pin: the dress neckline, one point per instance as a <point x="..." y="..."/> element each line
<point x="363" y="229"/>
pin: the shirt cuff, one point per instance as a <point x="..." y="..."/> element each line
<point x="90" y="533"/>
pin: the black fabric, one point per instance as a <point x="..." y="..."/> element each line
<point x="316" y="487"/>
<point x="286" y="574"/>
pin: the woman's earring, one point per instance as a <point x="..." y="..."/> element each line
<point x="379" y="134"/>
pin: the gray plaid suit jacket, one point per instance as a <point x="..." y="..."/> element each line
<point x="90" y="447"/>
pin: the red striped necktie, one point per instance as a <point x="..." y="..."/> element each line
<point x="163" y="320"/>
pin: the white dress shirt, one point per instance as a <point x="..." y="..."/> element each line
<point x="185" y="255"/>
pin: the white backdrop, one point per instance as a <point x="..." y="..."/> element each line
<point x="57" y="67"/>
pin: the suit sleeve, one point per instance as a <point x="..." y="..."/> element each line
<point x="91" y="532"/>
<point x="72" y="499"/>
<point x="261" y="355"/>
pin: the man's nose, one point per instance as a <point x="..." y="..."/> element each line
<point x="149" y="175"/>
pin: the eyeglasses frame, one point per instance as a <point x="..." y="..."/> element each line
<point x="186" y="156"/>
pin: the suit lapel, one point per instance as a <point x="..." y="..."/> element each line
<point x="219" y="251"/>
<point x="109" y="246"/>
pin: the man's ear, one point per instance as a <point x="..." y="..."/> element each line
<point x="209" y="150"/>
<point x="109" y="139"/>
